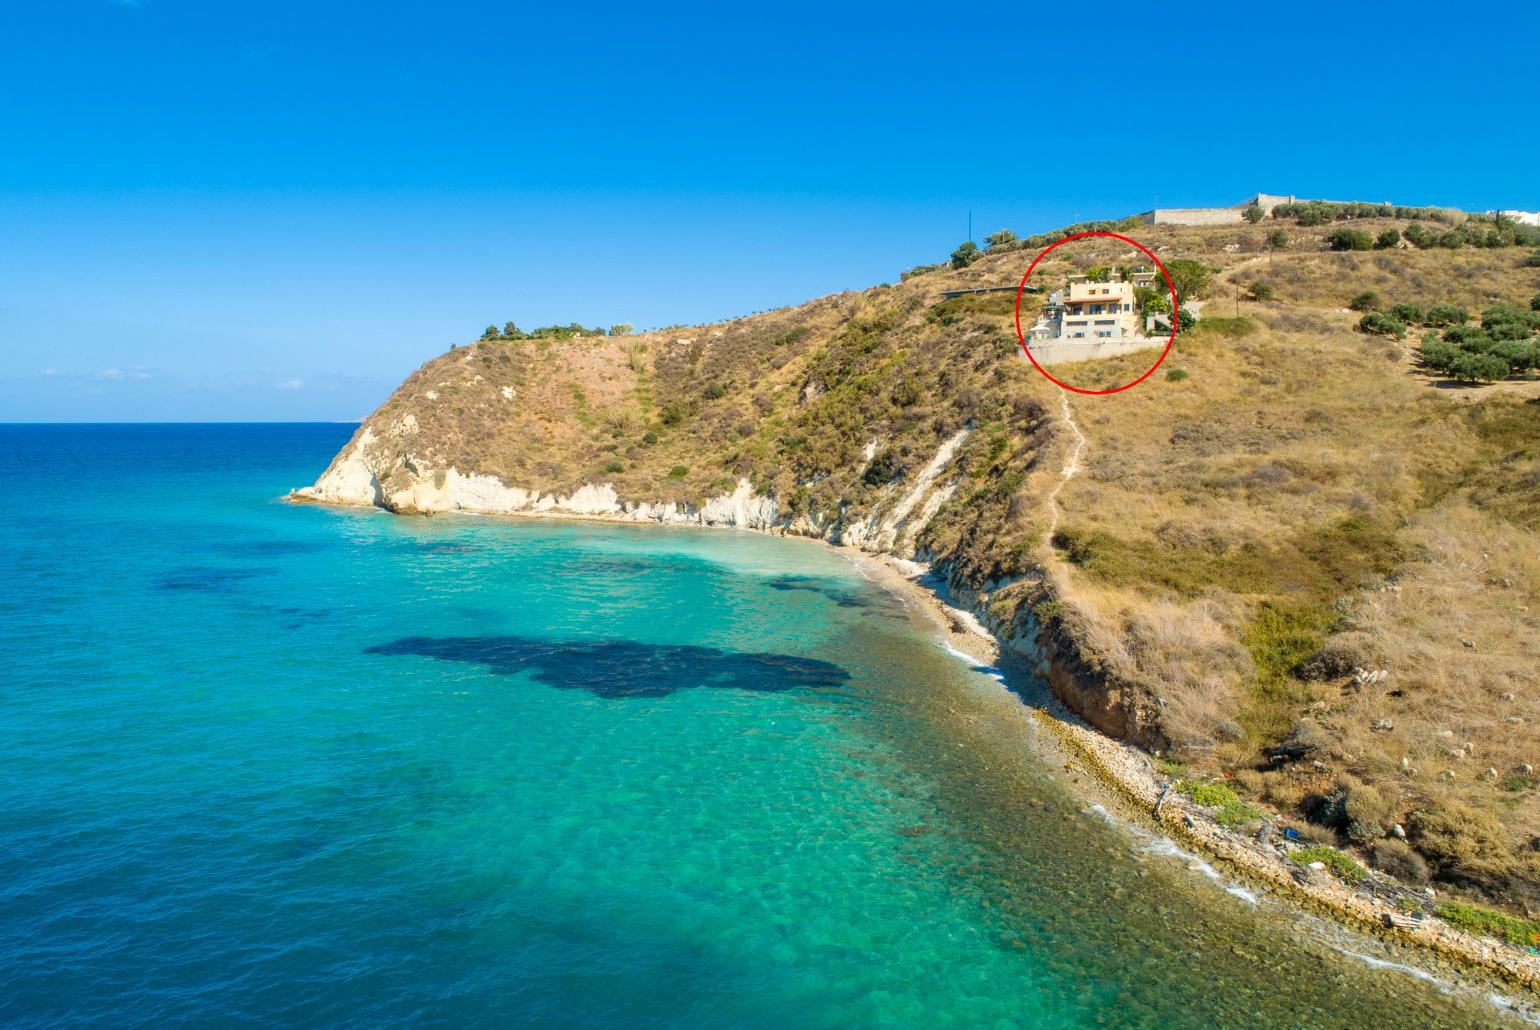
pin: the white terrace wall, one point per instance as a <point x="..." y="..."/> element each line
<point x="1063" y="352"/>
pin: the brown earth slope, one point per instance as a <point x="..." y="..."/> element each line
<point x="1299" y="562"/>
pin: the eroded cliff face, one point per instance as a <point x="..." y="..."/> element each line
<point x="382" y="470"/>
<point x="1054" y="648"/>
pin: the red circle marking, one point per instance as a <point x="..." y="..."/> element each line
<point x="1175" y="312"/>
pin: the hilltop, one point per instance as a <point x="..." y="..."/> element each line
<point x="1298" y="564"/>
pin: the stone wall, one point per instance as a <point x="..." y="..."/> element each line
<point x="1194" y="216"/>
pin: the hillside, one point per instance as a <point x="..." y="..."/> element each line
<point x="1293" y="557"/>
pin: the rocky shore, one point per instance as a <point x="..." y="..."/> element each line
<point x="1130" y="779"/>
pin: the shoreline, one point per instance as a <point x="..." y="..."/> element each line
<point x="1129" y="777"/>
<point x="1126" y="774"/>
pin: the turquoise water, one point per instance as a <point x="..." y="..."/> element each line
<point x="269" y="764"/>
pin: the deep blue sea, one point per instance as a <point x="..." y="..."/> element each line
<point x="275" y="765"/>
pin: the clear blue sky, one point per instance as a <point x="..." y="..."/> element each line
<point x="276" y="210"/>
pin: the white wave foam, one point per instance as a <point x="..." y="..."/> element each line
<point x="1508" y="1005"/>
<point x="1242" y="893"/>
<point x="977" y="666"/>
<point x="1165" y="847"/>
<point x="1400" y="967"/>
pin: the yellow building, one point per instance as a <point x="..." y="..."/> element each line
<point x="1098" y="311"/>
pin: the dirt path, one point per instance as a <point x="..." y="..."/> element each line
<point x="1071" y="469"/>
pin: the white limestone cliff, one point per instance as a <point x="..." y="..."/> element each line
<point x="358" y="476"/>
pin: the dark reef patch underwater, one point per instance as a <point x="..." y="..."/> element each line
<point x="625" y="668"/>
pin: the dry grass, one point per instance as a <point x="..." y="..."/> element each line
<point x="1460" y="631"/>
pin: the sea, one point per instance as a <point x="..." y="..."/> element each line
<point x="271" y="764"/>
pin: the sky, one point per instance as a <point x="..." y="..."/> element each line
<point x="276" y="210"/>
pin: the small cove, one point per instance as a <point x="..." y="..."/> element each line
<point x="316" y="765"/>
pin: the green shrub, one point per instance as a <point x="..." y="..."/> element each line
<point x="1254" y="213"/>
<point x="1509" y="315"/>
<point x="1469" y="337"/>
<point x="1229" y="810"/>
<point x="614" y="467"/>
<point x="1437" y="355"/>
<point x="1000" y="240"/>
<point x="1236" y="813"/>
<point x="1350" y="239"/>
<point x="1365" y="301"/>
<point x="1189" y="277"/>
<point x="1380" y="324"/>
<point x="1176" y="375"/>
<point x="965" y="255"/>
<point x="679" y="472"/>
<point x="1045" y="611"/>
<point x="1278" y="238"/>
<point x="1451" y="240"/>
<point x="714" y="391"/>
<point x="1532" y="260"/>
<point x="880" y="469"/>
<point x="1519" y="354"/>
<point x="1534" y="302"/>
<point x="1388" y="239"/>
<point x="1185" y="320"/>
<point x="1341" y="866"/>
<point x="1261" y="291"/>
<point x="1411" y="314"/>
<point x="1446" y="314"/>
<point x="1420" y="236"/>
<point x="649" y="437"/>
<point x="1207" y="793"/>
<point x="1482" y="368"/>
<point x="1522" y="933"/>
<point x="1507" y="330"/>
